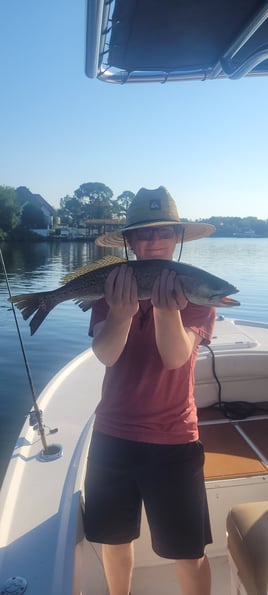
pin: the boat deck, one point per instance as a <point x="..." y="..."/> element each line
<point x="163" y="579"/>
<point x="234" y="448"/>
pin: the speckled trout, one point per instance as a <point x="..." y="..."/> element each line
<point x="86" y="285"/>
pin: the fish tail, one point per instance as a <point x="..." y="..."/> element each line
<point x="33" y="303"/>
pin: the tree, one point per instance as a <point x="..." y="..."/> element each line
<point x="238" y="226"/>
<point x="95" y="199"/>
<point x="33" y="217"/>
<point x="122" y="202"/>
<point x="9" y="209"/>
<point x="70" y="211"/>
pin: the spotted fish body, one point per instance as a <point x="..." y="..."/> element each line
<point x="86" y="285"/>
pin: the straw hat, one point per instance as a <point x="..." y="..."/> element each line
<point x="152" y="208"/>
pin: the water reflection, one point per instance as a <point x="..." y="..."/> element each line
<point x="26" y="257"/>
<point x="20" y="257"/>
<point x="37" y="266"/>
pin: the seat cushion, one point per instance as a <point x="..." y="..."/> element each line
<point x="247" y="528"/>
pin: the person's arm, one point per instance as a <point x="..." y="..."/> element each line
<point x="110" y="335"/>
<point x="175" y="343"/>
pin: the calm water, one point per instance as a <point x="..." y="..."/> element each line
<point x="37" y="267"/>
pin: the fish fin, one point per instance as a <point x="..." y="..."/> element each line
<point x="30" y="304"/>
<point x="85" y="304"/>
<point x="92" y="266"/>
<point x="38" y="319"/>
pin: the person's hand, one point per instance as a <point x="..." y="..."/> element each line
<point x="121" y="292"/>
<point x="167" y="293"/>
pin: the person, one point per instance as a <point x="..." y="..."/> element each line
<point x="145" y="445"/>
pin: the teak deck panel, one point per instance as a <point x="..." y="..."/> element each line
<point x="228" y="455"/>
<point x="257" y="431"/>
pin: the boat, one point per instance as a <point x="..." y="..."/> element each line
<point x="43" y="549"/>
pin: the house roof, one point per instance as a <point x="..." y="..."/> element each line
<point x="24" y="195"/>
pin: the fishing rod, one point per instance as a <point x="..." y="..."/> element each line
<point x="38" y="413"/>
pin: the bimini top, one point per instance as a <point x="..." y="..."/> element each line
<point x="167" y="40"/>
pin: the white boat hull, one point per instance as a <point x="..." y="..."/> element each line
<point x="41" y="528"/>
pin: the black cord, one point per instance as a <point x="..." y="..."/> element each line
<point x="125" y="246"/>
<point x="233" y="409"/>
<point x="181" y="246"/>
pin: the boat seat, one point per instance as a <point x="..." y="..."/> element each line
<point x="247" y="530"/>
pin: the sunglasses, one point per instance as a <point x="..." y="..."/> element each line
<point x="164" y="232"/>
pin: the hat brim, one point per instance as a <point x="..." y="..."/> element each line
<point x="189" y="231"/>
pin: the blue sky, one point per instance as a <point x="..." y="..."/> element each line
<point x="205" y="141"/>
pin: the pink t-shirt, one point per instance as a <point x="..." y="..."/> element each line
<point x="142" y="400"/>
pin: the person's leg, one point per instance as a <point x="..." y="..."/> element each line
<point x="113" y="508"/>
<point x="118" y="566"/>
<point x="194" y="576"/>
<point x="112" y="498"/>
<point x="176" y="505"/>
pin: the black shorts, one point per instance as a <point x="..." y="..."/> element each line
<point x="167" y="478"/>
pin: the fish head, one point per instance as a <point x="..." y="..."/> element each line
<point x="209" y="291"/>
